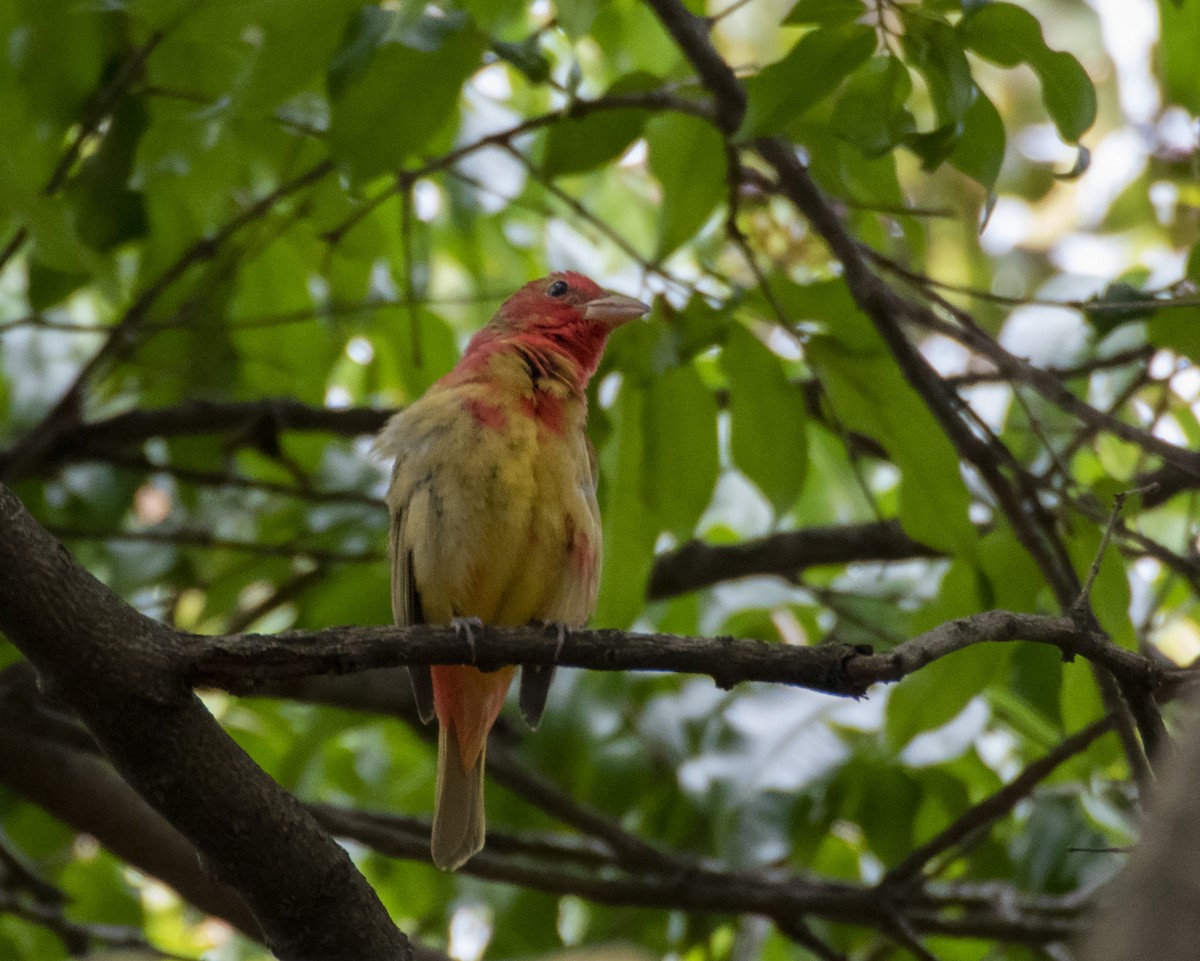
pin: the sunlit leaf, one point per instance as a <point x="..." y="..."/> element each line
<point x="825" y="12"/>
<point x="1010" y="35"/>
<point x="687" y="156"/>
<point x="979" y="151"/>
<point x="783" y="91"/>
<point x="574" y="145"/>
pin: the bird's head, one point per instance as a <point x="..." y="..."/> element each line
<point x="565" y="312"/>
<point x="566" y="299"/>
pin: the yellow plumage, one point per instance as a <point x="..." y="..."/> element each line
<point x="494" y="516"/>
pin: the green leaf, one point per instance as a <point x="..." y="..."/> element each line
<point x="387" y="62"/>
<point x="49" y="286"/>
<point x="937" y="52"/>
<point x="934" y="146"/>
<point x="526" y="56"/>
<point x="768" y="422"/>
<point x="1079" y="699"/>
<point x="1179" y="39"/>
<point x="681" y="453"/>
<point x="814" y="68"/>
<point x="1177" y="329"/>
<point x="629" y="527"/>
<point x="490" y="14"/>
<point x="885" y="802"/>
<point x="1037" y="678"/>
<point x="979" y="151"/>
<point x="574" y="145"/>
<point x="870" y="112"/>
<point x="297" y="40"/>
<point x="576" y="16"/>
<point x="870" y="395"/>
<point x="415" y="350"/>
<point x="825" y="13"/>
<point x="1010" y="35"/>
<point x="276" y="282"/>
<point x="687" y="156"/>
<point x="107" y="212"/>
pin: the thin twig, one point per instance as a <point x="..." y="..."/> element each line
<point x="993" y="807"/>
<point x="1082" y="601"/>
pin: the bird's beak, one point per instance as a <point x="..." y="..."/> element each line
<point x="614" y="309"/>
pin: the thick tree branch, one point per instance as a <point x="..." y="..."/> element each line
<point x="71" y="782"/>
<point x="1150" y="910"/>
<point x="119" y="671"/>
<point x="52" y="762"/>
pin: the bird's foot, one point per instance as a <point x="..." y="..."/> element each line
<point x="465" y="627"/>
<point x="561" y="631"/>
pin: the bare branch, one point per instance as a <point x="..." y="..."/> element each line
<point x="995" y="806"/>
<point x="696" y="565"/>
<point x="691" y="34"/>
<point x="256" y="423"/>
<point x="238" y="663"/>
<point x="1119" y="499"/>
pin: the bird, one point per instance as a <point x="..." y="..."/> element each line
<point x="494" y="517"/>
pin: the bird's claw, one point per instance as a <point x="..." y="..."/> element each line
<point x="464" y="627"/>
<point x="561" y="631"/>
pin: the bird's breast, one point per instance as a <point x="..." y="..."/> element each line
<point x="500" y="506"/>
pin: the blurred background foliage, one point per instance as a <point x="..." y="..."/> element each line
<point x="319" y="200"/>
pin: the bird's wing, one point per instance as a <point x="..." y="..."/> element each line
<point x="406" y="609"/>
<point x="573" y="588"/>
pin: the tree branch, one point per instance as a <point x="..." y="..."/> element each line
<point x="120" y="672"/>
<point x="886" y="309"/>
<point x="65" y="412"/>
<point x="1150" y="910"/>
<point x="240" y="663"/>
<point x="68" y="779"/>
<point x="994" y="806"/>
<point x="690" y="32"/>
<point x="697" y="565"/>
<point x="256" y="423"/>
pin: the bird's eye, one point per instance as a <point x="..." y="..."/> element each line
<point x="558" y="288"/>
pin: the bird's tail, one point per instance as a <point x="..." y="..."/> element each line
<point x="458" y="818"/>
<point x="467" y="702"/>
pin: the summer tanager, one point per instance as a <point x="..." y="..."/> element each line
<point x="494" y="516"/>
